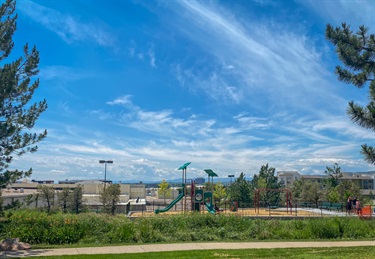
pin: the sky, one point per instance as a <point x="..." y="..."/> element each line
<point x="226" y="85"/>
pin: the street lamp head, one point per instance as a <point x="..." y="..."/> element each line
<point x="105" y="161"/>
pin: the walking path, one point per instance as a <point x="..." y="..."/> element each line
<point x="178" y="247"/>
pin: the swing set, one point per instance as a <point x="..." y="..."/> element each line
<point x="288" y="199"/>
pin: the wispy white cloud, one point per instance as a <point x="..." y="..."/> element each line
<point x="364" y="13"/>
<point x="64" y="73"/>
<point x="149" y="54"/>
<point x="282" y="66"/>
<point x="287" y="112"/>
<point x="163" y="122"/>
<point x="67" y="27"/>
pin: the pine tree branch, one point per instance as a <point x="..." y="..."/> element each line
<point x="369" y="153"/>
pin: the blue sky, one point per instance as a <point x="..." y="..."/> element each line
<point x="226" y="85"/>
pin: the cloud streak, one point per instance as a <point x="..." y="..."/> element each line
<point x="269" y="61"/>
<point x="67" y="27"/>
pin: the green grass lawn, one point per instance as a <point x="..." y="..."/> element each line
<point x="334" y="252"/>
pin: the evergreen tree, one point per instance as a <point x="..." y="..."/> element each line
<point x="357" y="53"/>
<point x="241" y="191"/>
<point x="267" y="180"/>
<point x="17" y="114"/>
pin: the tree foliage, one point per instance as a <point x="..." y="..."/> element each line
<point x="349" y="188"/>
<point x="219" y="192"/>
<point x="164" y="189"/>
<point x="241" y="191"/>
<point x="109" y="197"/>
<point x="312" y="192"/>
<point x="48" y="195"/>
<point x="266" y="179"/>
<point x="334" y="175"/>
<point x="17" y="114"/>
<point x="76" y="200"/>
<point x="70" y="200"/>
<point x="63" y="198"/>
<point x="356" y="50"/>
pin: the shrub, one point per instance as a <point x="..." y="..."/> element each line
<point x="324" y="228"/>
<point x="37" y="227"/>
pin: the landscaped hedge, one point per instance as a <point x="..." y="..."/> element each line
<point x="89" y="228"/>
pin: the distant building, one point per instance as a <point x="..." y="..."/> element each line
<point x="69" y="181"/>
<point x="132" y="197"/>
<point x="200" y="180"/>
<point x="43" y="181"/>
<point x="287" y="178"/>
<point x="365" y="180"/>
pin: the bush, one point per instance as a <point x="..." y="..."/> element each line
<point x="37" y="227"/>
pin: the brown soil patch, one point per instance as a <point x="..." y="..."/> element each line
<point x="240" y="212"/>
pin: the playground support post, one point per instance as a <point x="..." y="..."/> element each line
<point x="184" y="173"/>
<point x="185" y="191"/>
<point x="288" y="197"/>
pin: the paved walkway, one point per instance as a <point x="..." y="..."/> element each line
<point x="178" y="247"/>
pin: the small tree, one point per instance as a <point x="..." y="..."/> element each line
<point x="164" y="189"/>
<point x="76" y="199"/>
<point x="29" y="199"/>
<point x="348" y="188"/>
<point x="109" y="197"/>
<point x="48" y="195"/>
<point x="333" y="195"/>
<point x="63" y="198"/>
<point x="219" y="192"/>
<point x="241" y="190"/>
<point x="297" y="189"/>
<point x="312" y="192"/>
<point x="36" y="199"/>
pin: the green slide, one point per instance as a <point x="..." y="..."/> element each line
<point x="210" y="208"/>
<point x="179" y="197"/>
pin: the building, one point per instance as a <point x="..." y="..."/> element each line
<point x="200" y="181"/>
<point x="287" y="178"/>
<point x="365" y="180"/>
<point x="43" y="181"/>
<point x="132" y="197"/>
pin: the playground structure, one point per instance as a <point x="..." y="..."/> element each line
<point x="201" y="199"/>
<point x="181" y="195"/>
<point x="208" y="199"/>
<point x="198" y="197"/>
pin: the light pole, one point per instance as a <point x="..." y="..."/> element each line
<point x="105" y="162"/>
<point x="231" y="176"/>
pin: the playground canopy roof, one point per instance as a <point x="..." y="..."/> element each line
<point x="184" y="166"/>
<point x="210" y="173"/>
